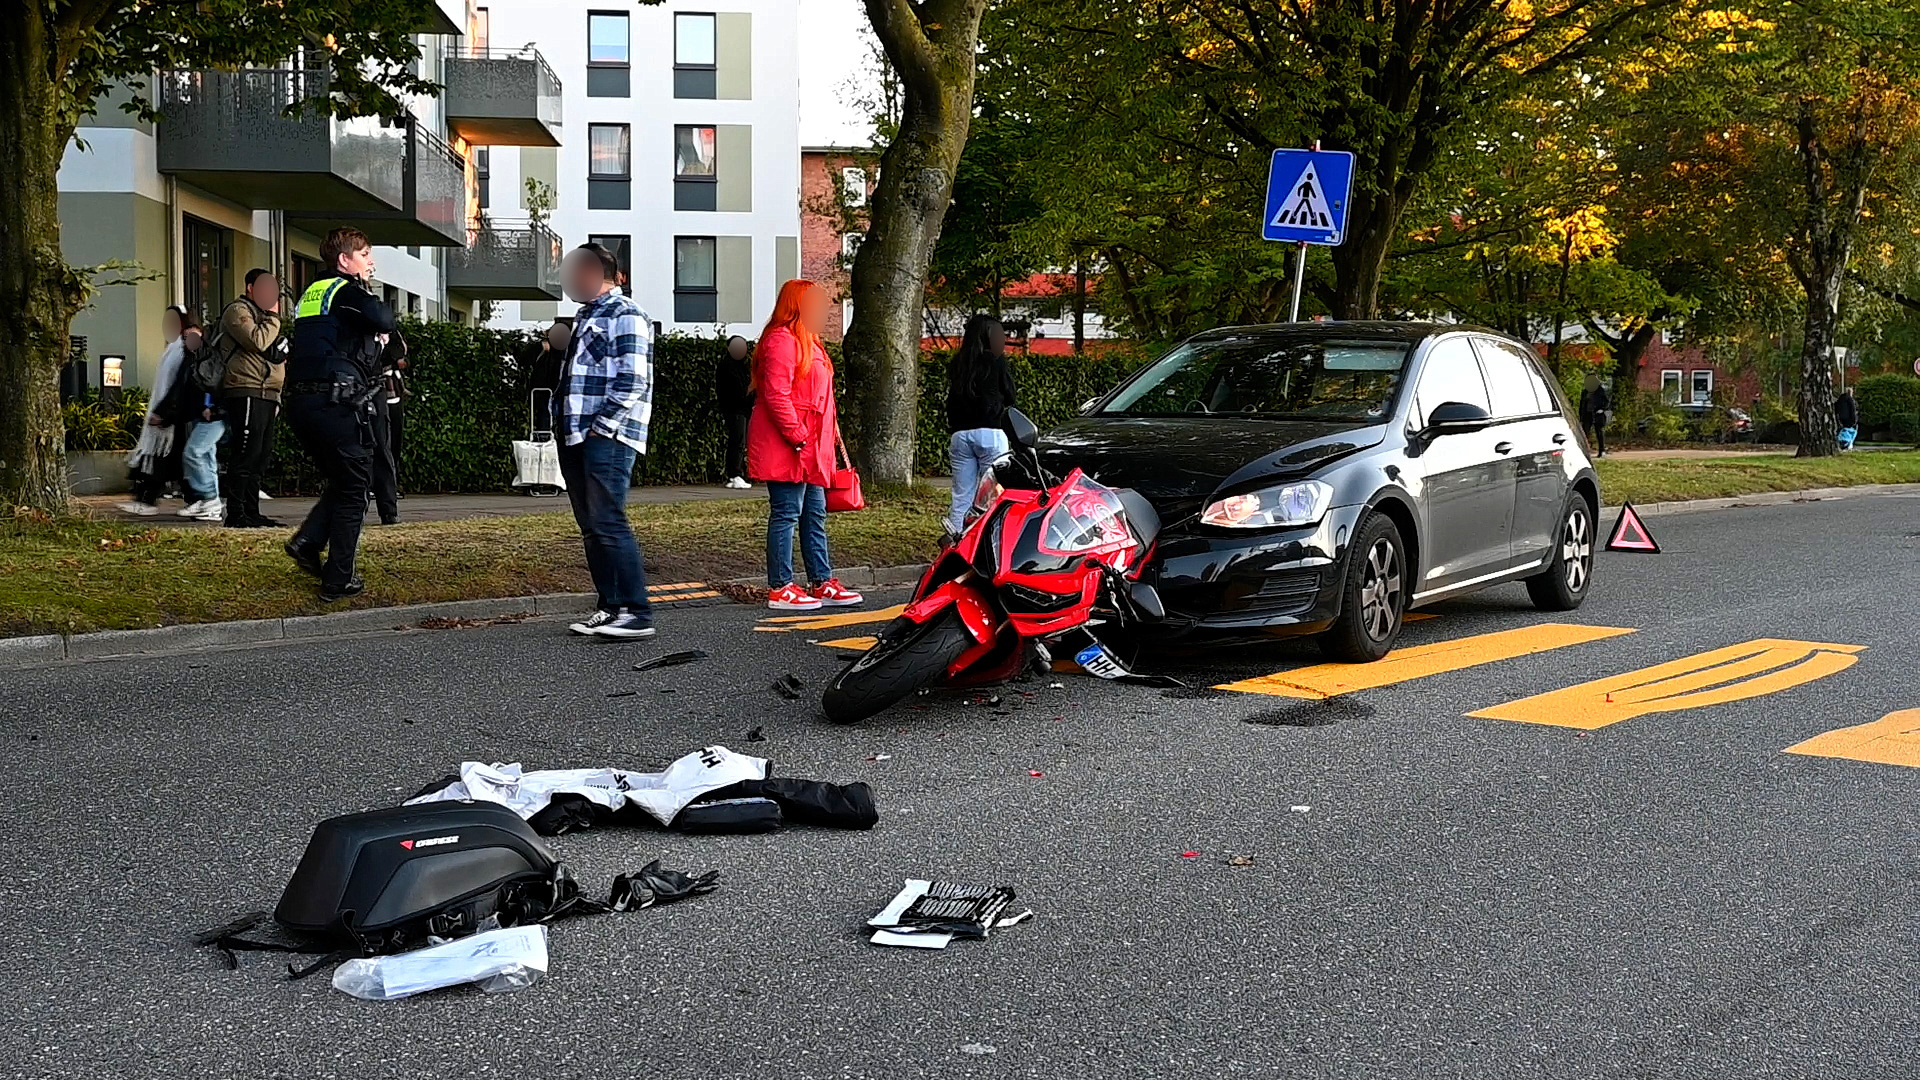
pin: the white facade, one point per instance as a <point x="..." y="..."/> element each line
<point x="758" y="245"/>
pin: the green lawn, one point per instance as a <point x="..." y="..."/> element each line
<point x="75" y="575"/>
<point x="1713" y="478"/>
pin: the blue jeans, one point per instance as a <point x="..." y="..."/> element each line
<point x="599" y="472"/>
<point x="970" y="452"/>
<point x="200" y="461"/>
<point x="790" y="504"/>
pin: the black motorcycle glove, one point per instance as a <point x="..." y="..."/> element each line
<point x="651" y="885"/>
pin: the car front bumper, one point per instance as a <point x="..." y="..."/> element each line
<point x="1216" y="579"/>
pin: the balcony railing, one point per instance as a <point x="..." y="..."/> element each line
<point x="236" y="134"/>
<point x="434" y="195"/>
<point x="507" y="262"/>
<point x="504" y="97"/>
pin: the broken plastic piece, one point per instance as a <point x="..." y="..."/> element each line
<point x="1300" y="809"/>
<point x="757" y="735"/>
<point x="1189" y="854"/>
<point x="672" y="659"/>
<point x="879" y="757"/>
<point x="789" y="687"/>
<point x="1014" y="920"/>
<point x="1035" y="773"/>
<point x="1240" y="860"/>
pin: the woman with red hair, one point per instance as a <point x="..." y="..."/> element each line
<point x="791" y="442"/>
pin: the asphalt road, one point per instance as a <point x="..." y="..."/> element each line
<point x="1666" y="896"/>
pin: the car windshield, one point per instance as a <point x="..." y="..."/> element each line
<point x="1269" y="376"/>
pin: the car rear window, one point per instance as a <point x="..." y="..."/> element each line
<point x="1267" y="377"/>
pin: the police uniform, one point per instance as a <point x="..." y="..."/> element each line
<point x="332" y="387"/>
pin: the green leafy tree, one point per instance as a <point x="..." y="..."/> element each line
<point x="57" y="59"/>
<point x="981" y="248"/>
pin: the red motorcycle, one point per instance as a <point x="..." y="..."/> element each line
<point x="1043" y="563"/>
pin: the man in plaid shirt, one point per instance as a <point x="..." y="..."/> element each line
<point x="601" y="414"/>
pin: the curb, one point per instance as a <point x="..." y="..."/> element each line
<point x="1771" y="498"/>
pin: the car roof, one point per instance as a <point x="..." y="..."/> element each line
<point x="1391" y="329"/>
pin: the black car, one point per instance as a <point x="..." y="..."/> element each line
<point x="1328" y="477"/>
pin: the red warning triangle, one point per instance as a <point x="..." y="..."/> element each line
<point x="1630" y="534"/>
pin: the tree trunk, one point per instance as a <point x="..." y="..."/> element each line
<point x="39" y="294"/>
<point x="1819" y="432"/>
<point x="1079" y="306"/>
<point x="1821" y="265"/>
<point x="931" y="46"/>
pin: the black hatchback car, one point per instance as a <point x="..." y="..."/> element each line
<point x="1325" y="478"/>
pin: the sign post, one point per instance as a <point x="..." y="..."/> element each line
<point x="1307" y="195"/>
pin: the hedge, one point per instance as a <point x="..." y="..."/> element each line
<point x="470" y="391"/>
<point x="1888" y="402"/>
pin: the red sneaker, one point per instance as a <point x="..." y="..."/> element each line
<point x="791" y="597"/>
<point x="833" y="594"/>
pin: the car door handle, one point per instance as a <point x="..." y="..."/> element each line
<point x="1559" y="439"/>
<point x="1502" y="447"/>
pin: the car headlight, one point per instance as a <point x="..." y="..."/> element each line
<point x="1293" y="504"/>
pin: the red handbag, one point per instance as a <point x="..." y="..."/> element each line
<point x="843" y="487"/>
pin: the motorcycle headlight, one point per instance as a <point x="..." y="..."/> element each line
<point x="1293" y="504"/>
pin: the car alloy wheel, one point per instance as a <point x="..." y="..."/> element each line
<point x="1380" y="589"/>
<point x="1576" y="547"/>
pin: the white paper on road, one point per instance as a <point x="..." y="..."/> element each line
<point x="911" y="940"/>
<point x="663" y="794"/>
<point x="500" y="960"/>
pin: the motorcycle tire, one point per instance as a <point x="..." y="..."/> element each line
<point x="904" y="660"/>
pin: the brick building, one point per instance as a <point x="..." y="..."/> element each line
<point x="835" y="184"/>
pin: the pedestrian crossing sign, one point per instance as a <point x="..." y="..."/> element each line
<point x="1307" y="194"/>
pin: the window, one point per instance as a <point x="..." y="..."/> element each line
<point x="607" y="38"/>
<point x="1702" y="386"/>
<point x="609" y="151"/>
<point x="1510" y="383"/>
<point x="209" y="266"/>
<point x="483" y="173"/>
<point x="693" y="40"/>
<point x="854" y="183"/>
<point x="1670" y="386"/>
<point x="1450" y="374"/>
<point x="622" y="248"/>
<point x="693" y="152"/>
<point x="695" y="279"/>
<point x="1269" y="375"/>
<point x="850" y="244"/>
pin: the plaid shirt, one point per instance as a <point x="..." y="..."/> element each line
<point x="609" y="378"/>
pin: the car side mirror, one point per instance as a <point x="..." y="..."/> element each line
<point x="1021" y="430"/>
<point x="1456" y="418"/>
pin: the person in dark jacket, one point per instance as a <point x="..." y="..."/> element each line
<point x="544" y="362"/>
<point x="1596" y="410"/>
<point x="256" y="370"/>
<point x="979" y="393"/>
<point x="333" y="381"/>
<point x="733" y="386"/>
<point x="388" y="430"/>
<point x="1846" y="416"/>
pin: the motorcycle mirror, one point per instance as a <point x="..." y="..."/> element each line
<point x="1021" y="430"/>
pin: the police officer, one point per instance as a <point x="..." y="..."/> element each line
<point x="333" y="385"/>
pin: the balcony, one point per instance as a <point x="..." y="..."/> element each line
<point x="229" y="132"/>
<point x="432" y="210"/>
<point x="501" y="97"/>
<point x="507" y="262"/>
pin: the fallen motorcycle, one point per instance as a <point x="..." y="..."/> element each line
<point x="1045" y="562"/>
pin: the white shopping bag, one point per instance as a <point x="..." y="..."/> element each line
<point x="537" y="464"/>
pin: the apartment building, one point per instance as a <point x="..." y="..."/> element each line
<point x="836" y="183"/>
<point x="679" y="151"/>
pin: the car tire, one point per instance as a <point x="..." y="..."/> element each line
<point x="1373" y="599"/>
<point x="1564" y="583"/>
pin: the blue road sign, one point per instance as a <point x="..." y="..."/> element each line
<point x="1307" y="193"/>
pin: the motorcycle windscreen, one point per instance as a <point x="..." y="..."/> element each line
<point x="1086" y="518"/>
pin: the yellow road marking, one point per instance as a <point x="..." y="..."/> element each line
<point x="789" y="623"/>
<point x="1735" y="673"/>
<point x="860" y="643"/>
<point x="1894" y="739"/>
<point x="681" y="585"/>
<point x="701" y="595"/>
<point x="1329" y="680"/>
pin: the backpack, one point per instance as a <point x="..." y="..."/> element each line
<point x="385" y="881"/>
<point x="207" y="369"/>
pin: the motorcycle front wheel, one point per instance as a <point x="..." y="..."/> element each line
<point x="905" y="659"/>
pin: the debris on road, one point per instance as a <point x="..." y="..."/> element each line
<point x="622" y="693"/>
<point x="446" y="622"/>
<point x="672" y="659"/>
<point x="978" y="1049"/>
<point x="879" y="757"/>
<point x="1035" y="773"/>
<point x="1300" y="809"/>
<point x="789" y="686"/>
<point x="1189" y="854"/>
<point x="1240" y="860"/>
<point x="500" y="960"/>
<point x="928" y="914"/>
<point x="758" y="734"/>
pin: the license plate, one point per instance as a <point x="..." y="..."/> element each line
<point x="1098" y="660"/>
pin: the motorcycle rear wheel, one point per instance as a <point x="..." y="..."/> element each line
<point x="904" y="660"/>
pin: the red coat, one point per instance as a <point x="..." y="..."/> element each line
<point x="788" y="412"/>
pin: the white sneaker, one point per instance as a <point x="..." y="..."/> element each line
<point x="193" y="509"/>
<point x="739" y="483"/>
<point x="213" y="510"/>
<point x="139" y="508"/>
<point x="264" y="497"/>
<point x="590" y="626"/>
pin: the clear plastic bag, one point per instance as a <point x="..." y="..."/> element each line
<point x="499" y="960"/>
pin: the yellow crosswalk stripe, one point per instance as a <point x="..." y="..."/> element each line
<point x="1735" y="673"/>
<point x="1329" y="680"/>
<point x="783" y="624"/>
<point x="860" y="644"/>
<point x="1894" y="739"/>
